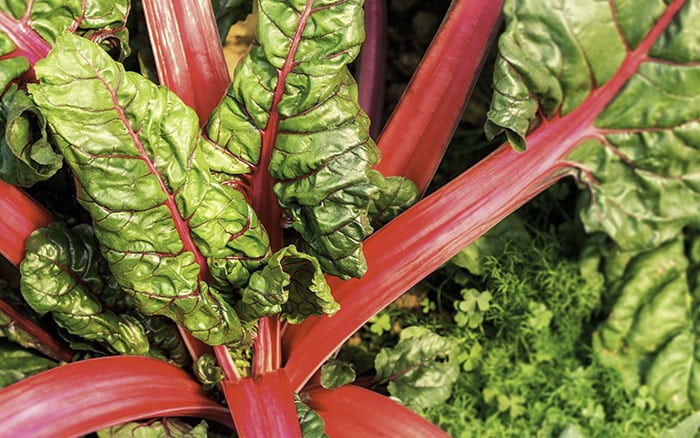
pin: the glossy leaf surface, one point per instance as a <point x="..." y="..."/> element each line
<point x="302" y="129"/>
<point x="165" y="228"/>
<point x="61" y="276"/>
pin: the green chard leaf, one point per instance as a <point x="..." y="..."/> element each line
<point x="396" y="195"/>
<point x="303" y="124"/>
<point x="167" y="428"/>
<point x="651" y="334"/>
<point x="335" y="374"/>
<point x="311" y="423"/>
<point x="17" y="363"/>
<point x="291" y="285"/>
<point x="421" y="369"/>
<point x="60" y="276"/>
<point x="164" y="226"/>
<point x="621" y="79"/>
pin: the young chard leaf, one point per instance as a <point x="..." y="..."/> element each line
<point x="302" y="128"/>
<point x="420" y="369"/>
<point x="291" y="285"/>
<point x="164" y="226"/>
<point x="26" y="156"/>
<point x="60" y="275"/>
<point x="619" y="83"/>
<point x="167" y="428"/>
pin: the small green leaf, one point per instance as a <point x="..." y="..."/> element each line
<point x="291" y="284"/>
<point x="335" y="374"/>
<point x="395" y="196"/>
<point x="421" y="369"/>
<point x="311" y="423"/>
<point x="379" y="324"/>
<point x="26" y="156"/>
<point x="207" y="371"/>
<point x="166" y="428"/>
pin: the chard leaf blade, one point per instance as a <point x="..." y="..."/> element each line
<point x="61" y="276"/>
<point x="164" y="226"/>
<point x="304" y="126"/>
<point x="421" y="369"/>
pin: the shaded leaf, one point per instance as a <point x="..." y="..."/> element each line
<point x="421" y="369"/>
<point x="396" y="195"/>
<point x="167" y="428"/>
<point x="26" y="156"/>
<point x="311" y="423"/>
<point x="16" y="363"/>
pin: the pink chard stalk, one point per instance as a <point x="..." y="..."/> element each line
<point x="555" y="125"/>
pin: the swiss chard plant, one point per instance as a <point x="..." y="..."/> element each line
<point x="225" y="228"/>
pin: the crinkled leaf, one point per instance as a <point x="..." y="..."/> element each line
<point x="228" y="12"/>
<point x="167" y="428"/>
<point x="16" y="363"/>
<point x="311" y="423"/>
<point x="103" y="21"/>
<point x="421" y="369"/>
<point x="26" y="156"/>
<point x="60" y="276"/>
<point x="335" y="374"/>
<point x="396" y="195"/>
<point x="164" y="226"/>
<point x="291" y="285"/>
<point x="305" y="108"/>
<point x="650" y="336"/>
<point x="622" y="77"/>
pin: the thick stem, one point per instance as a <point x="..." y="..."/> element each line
<point x="263" y="406"/>
<point x="371" y="73"/>
<point x="27" y="42"/>
<point x="228" y="367"/>
<point x="420" y="240"/>
<point x="418" y="132"/>
<point x="415" y="244"/>
<point x="372" y="415"/>
<point x="21" y="215"/>
<point x="85" y="396"/>
<point x="187" y="51"/>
